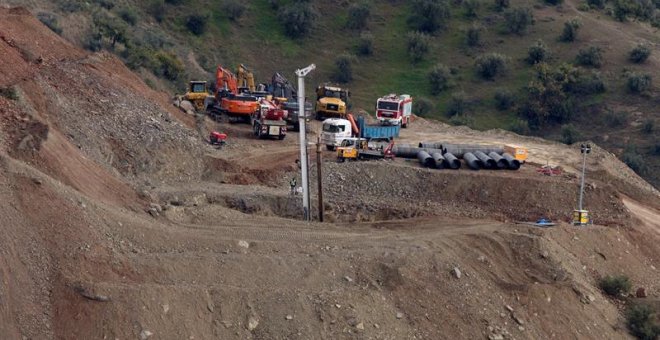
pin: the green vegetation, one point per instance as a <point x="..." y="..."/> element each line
<point x="640" y="53"/>
<point x="298" y="19"/>
<point x="570" y="31"/>
<point x="9" y="93"/>
<point x="473" y="35"/>
<point x="129" y="15"/>
<point x="429" y="16"/>
<point x="518" y="19"/>
<point x="358" y="15"/>
<point x="638" y="83"/>
<point x="50" y="20"/>
<point x="343" y="72"/>
<point x="471" y="8"/>
<point x="234" y="9"/>
<point x="615" y="285"/>
<point x="634" y="159"/>
<point x="457" y="104"/>
<point x="418" y="45"/>
<point x="439" y="78"/>
<point x="196" y="24"/>
<point x="536" y="53"/>
<point x="641" y="322"/>
<point x="490" y="65"/>
<point x="504" y="99"/>
<point x="591" y="56"/>
<point x="422" y="107"/>
<point x="501" y="5"/>
<point x="616" y="119"/>
<point x="569" y="134"/>
<point x="648" y="126"/>
<point x="365" y="45"/>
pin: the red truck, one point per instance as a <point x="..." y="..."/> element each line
<point x="269" y="120"/>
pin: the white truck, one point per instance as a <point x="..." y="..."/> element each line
<point x="335" y="130"/>
<point x="394" y="110"/>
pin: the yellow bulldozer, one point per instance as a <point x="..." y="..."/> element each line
<point x="197" y="93"/>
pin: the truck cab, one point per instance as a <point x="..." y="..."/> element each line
<point x="334" y="131"/>
<point x="394" y="110"/>
<point x="331" y="102"/>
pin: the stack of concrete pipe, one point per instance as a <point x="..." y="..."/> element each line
<point x="441" y="155"/>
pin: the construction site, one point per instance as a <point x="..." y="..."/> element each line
<point x="135" y="214"/>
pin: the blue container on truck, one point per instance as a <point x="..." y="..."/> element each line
<point x="377" y="131"/>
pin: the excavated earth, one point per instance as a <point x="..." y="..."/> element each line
<point x="119" y="221"/>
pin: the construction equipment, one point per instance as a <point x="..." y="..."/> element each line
<point x="363" y="148"/>
<point x="269" y="120"/>
<point x="281" y="88"/>
<point x="217" y="138"/>
<point x="518" y="152"/>
<point x="331" y="102"/>
<point x="227" y="100"/>
<point x="245" y="79"/>
<point x="291" y="107"/>
<point x="335" y="130"/>
<point x="394" y="109"/>
<point x="197" y="94"/>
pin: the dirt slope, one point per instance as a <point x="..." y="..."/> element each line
<point x="118" y="221"/>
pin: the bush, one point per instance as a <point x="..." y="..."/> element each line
<point x="473" y="35"/>
<point x="640" y="53"/>
<point x="636" y="162"/>
<point x="418" y="45"/>
<point x="343" y="72"/>
<point x="457" y="104"/>
<point x="569" y="134"/>
<point x="596" y="3"/>
<point x="504" y="99"/>
<point x="638" y="82"/>
<point x="471" y="8"/>
<point x="50" y="20"/>
<point x="461" y="119"/>
<point x="234" y="9"/>
<point x="107" y="4"/>
<point x="616" y="118"/>
<point x="422" y="107"/>
<point x="196" y="24"/>
<point x="168" y="65"/>
<point x="156" y="8"/>
<point x="298" y="19"/>
<point x="571" y="28"/>
<point x="553" y="2"/>
<point x="9" y="93"/>
<point x="537" y="53"/>
<point x="365" y="44"/>
<point x="358" y="15"/>
<point x="93" y="41"/>
<point x="641" y="322"/>
<point x="518" y="19"/>
<point x="429" y="15"/>
<point x="490" y="65"/>
<point x="648" y="126"/>
<point x="591" y="56"/>
<point x="585" y="84"/>
<point x="439" y="78"/>
<point x="129" y="15"/>
<point x="520" y="127"/>
<point x="72" y="6"/>
<point x="501" y="5"/>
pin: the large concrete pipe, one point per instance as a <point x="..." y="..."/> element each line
<point x="425" y="159"/>
<point x="488" y="162"/>
<point x="513" y="163"/>
<point x="501" y="162"/>
<point x="438" y="160"/>
<point x="451" y="161"/>
<point x="472" y="161"/>
<point x="431" y="145"/>
<point x="410" y="152"/>
<point x="459" y="149"/>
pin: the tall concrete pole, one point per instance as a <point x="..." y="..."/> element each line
<point x="304" y="162"/>
<point x="584" y="149"/>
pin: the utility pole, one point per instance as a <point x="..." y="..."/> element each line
<point x="302" y="118"/>
<point x="319" y="177"/>
<point x="580" y="216"/>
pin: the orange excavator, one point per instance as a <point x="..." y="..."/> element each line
<point x="237" y="107"/>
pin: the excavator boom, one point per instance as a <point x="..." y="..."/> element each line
<point x="245" y="78"/>
<point x="225" y="80"/>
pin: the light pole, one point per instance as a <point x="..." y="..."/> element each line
<point x="302" y="118"/>
<point x="580" y="216"/>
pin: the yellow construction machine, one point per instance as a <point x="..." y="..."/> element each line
<point x="331" y="102"/>
<point x="197" y="94"/>
<point x="245" y="79"/>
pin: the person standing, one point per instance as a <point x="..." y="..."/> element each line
<point x="293" y="185"/>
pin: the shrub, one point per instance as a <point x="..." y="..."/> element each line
<point x="648" y="126"/>
<point x="520" y="127"/>
<point x="110" y="28"/>
<point x="490" y="65"/>
<point x="615" y="285"/>
<point x="616" y="118"/>
<point x="72" y="6"/>
<point x="440" y="78"/>
<point x="93" y="41"/>
<point x="553" y="2"/>
<point x="234" y="9"/>
<point x="504" y="99"/>
<point x="429" y="15"/>
<point x="298" y="19"/>
<point x="473" y="35"/>
<point x="365" y="44"/>
<point x="156" y="8"/>
<point x="638" y="82"/>
<point x="343" y="72"/>
<point x="596" y="3"/>
<point x="129" y="15"/>
<point x="641" y="323"/>
<point x="585" y="84"/>
<point x="471" y="8"/>
<point x="457" y="104"/>
<point x="175" y="2"/>
<point x="418" y="45"/>
<point x="640" y="53"/>
<point x="9" y="93"/>
<point x="461" y="119"/>
<point x="537" y="53"/>
<point x="518" y="19"/>
<point x="422" y="107"/>
<point x="569" y="134"/>
<point x="107" y="4"/>
<point x="168" y="66"/>
<point x="50" y="20"/>
<point x="591" y="56"/>
<point x="358" y="15"/>
<point x="501" y="5"/>
<point x="196" y="24"/>
<point x="636" y="162"/>
<point x="571" y="28"/>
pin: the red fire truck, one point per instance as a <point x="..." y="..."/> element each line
<point x="394" y="110"/>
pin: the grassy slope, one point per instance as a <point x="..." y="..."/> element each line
<point x="258" y="40"/>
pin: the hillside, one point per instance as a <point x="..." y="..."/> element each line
<point x="119" y="220"/>
<point x="623" y="122"/>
